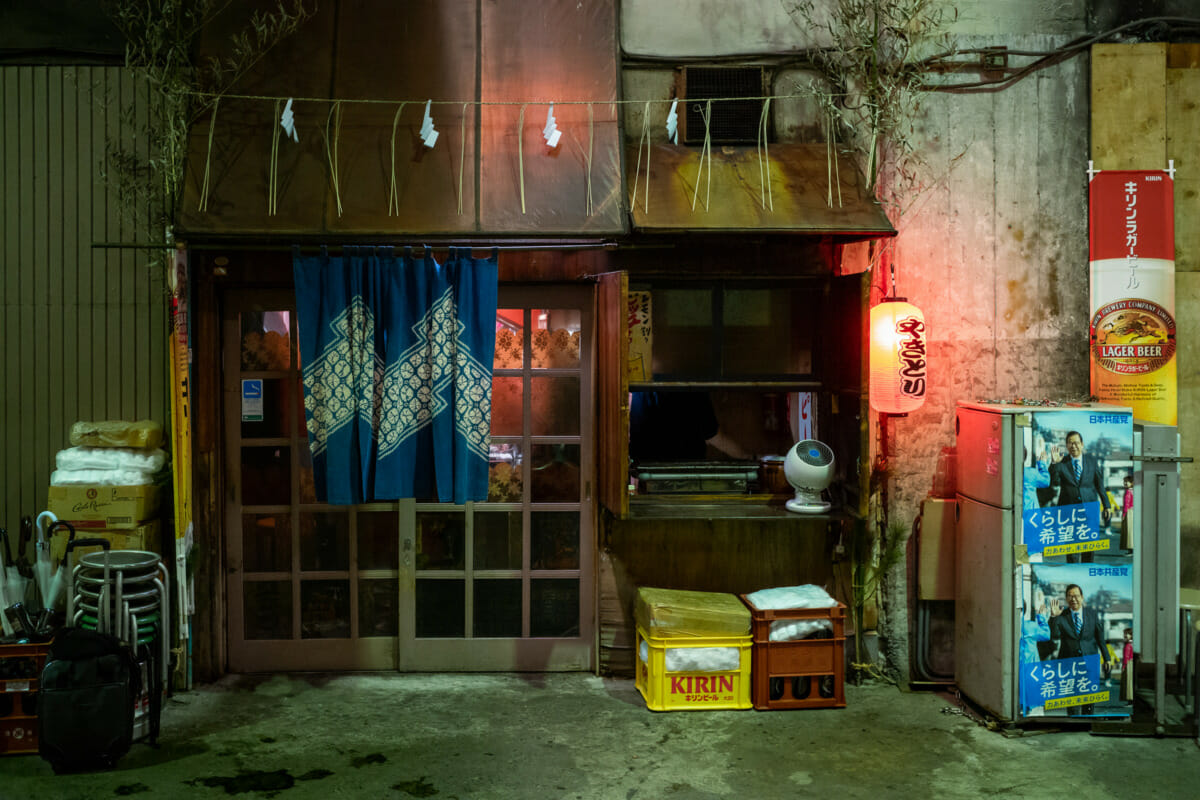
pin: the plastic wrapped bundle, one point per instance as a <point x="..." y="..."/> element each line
<point x="791" y="630"/>
<point x="697" y="659"/>
<point x="675" y="613"/>
<point x="144" y="433"/>
<point x="104" y="458"/>
<point x="100" y="477"/>
<point x="808" y="596"/>
<point x="784" y="597"/>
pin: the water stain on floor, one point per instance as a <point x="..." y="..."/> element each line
<point x="269" y="783"/>
<point x="418" y="788"/>
<point x="373" y="758"/>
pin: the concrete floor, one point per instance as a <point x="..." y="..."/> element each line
<point x="578" y="736"/>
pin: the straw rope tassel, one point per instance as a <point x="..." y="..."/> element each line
<point x="828" y="162"/>
<point x="637" y="171"/>
<point x="705" y="153"/>
<point x="462" y="157"/>
<point x="273" y="172"/>
<point x="212" y="124"/>
<point x="591" y="136"/>
<point x="764" y="158"/>
<point x="332" y="155"/>
<point x="521" y="156"/>
<point x="837" y="171"/>
<point x="393" y="192"/>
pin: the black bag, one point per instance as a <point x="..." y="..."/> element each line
<point x="86" y="701"/>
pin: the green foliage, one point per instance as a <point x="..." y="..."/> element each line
<point x="161" y="42"/>
<point x="875" y="82"/>
<point x="872" y="557"/>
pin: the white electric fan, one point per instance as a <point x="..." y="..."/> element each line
<point x="808" y="467"/>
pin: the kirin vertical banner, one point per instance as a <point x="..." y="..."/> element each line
<point x="1131" y="216"/>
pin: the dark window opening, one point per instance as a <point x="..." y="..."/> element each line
<point x="731" y="121"/>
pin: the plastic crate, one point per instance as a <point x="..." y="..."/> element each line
<point x="21" y="668"/>
<point x="692" y="691"/>
<point x="806" y="673"/>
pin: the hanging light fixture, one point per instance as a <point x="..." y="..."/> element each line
<point x="898" y="359"/>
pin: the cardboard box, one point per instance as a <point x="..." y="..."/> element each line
<point x="147" y="536"/>
<point x="683" y="614"/>
<point x="112" y="506"/>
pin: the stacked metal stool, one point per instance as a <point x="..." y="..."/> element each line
<point x="125" y="593"/>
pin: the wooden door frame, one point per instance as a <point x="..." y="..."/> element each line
<point x="213" y="477"/>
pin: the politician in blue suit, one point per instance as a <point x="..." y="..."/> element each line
<point x="1078" y="632"/>
<point x="1077" y="476"/>
<point x="1077" y="628"/>
<point x="1077" y="479"/>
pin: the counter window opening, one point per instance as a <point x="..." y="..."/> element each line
<point x="739" y="372"/>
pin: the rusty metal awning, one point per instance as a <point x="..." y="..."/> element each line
<point x="806" y="192"/>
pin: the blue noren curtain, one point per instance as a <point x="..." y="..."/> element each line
<point x="397" y="355"/>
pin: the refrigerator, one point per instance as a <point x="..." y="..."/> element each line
<point x="1046" y="570"/>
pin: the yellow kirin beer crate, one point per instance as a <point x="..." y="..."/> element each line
<point x="692" y="689"/>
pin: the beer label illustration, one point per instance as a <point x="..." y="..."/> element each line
<point x="1132" y="336"/>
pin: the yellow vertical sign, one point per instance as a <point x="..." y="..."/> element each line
<point x="181" y="419"/>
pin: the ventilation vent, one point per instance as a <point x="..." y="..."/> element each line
<point x="733" y="121"/>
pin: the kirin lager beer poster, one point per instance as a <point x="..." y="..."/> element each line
<point x="1132" y="241"/>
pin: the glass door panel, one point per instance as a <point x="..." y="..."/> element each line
<point x="309" y="586"/>
<point x="507" y="584"/>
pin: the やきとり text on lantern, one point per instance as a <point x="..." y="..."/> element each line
<point x="898" y="359"/>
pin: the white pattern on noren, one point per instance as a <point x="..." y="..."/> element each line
<point x="410" y="393"/>
<point x="414" y="385"/>
<point x="340" y="383"/>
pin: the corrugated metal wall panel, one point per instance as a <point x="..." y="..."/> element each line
<point x="84" y="328"/>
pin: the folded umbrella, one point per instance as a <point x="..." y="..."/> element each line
<point x="23" y="565"/>
<point x="42" y="568"/>
<point x="56" y="581"/>
<point x="5" y="625"/>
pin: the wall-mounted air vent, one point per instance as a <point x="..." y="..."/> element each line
<point x="733" y="121"/>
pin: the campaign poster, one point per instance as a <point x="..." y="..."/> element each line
<point x="1077" y="640"/>
<point x="1132" y="271"/>
<point x="1077" y="469"/>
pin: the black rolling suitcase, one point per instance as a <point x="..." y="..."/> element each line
<point x="86" y="701"/>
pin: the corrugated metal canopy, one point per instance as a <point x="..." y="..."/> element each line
<point x="733" y="193"/>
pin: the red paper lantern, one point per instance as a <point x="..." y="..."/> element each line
<point x="898" y="359"/>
